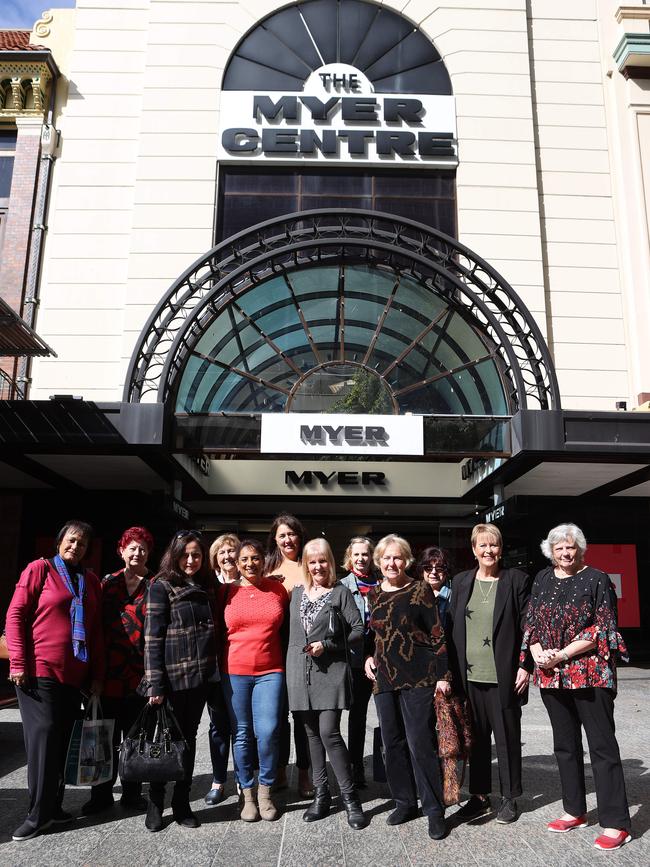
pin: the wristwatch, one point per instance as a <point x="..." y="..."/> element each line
<point x="565" y="655"/>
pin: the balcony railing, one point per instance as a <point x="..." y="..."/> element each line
<point x="9" y="388"/>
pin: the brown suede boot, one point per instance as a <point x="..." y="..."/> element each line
<point x="268" y="810"/>
<point x="249" y="812"/>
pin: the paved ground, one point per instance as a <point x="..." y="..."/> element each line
<point x="118" y="838"/>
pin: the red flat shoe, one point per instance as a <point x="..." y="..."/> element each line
<point x="561" y="826"/>
<point x="609" y="843"/>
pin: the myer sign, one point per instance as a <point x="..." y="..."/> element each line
<point x="337" y="118"/>
<point x="372" y="435"/>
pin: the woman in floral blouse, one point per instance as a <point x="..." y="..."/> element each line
<point x="571" y="633"/>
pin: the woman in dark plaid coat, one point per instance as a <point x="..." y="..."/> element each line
<point x="180" y="655"/>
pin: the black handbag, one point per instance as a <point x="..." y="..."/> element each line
<point x="154" y="751"/>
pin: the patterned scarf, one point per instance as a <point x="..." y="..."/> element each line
<point x="76" y="609"/>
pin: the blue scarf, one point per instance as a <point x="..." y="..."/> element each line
<point x="76" y="609"/>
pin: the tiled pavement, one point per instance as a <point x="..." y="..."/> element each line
<point x="117" y="838"/>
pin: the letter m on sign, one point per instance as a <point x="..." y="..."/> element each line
<point x="312" y="435"/>
<point x="293" y="478"/>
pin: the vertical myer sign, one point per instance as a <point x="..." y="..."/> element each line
<point x="311" y="433"/>
<point x="338" y="118"/>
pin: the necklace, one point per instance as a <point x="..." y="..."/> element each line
<point x="485" y="597"/>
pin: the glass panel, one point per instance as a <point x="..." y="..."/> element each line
<point x="308" y="203"/>
<point x="8" y="139"/>
<point x="415" y="185"/>
<point x="476" y="391"/>
<point x="239" y="212"/>
<point x="336" y="183"/>
<point x="237" y="181"/>
<point x="342" y="388"/>
<point x="437" y="213"/>
<point x="6" y="172"/>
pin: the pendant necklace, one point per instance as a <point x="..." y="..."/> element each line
<point x="485" y="597"/>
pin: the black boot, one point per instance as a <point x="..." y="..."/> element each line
<point x="182" y="811"/>
<point x="356" y="816"/>
<point x="156" y="807"/>
<point x="320" y="806"/>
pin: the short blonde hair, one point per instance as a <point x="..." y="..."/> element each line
<point x="219" y="542"/>
<point x="392" y="539"/>
<point x="323" y="546"/>
<point x="564" y="533"/>
<point x="489" y="530"/>
<point x="355" y="540"/>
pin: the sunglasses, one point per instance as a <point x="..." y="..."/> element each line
<point x="182" y="534"/>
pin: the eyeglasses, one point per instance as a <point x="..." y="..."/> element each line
<point x="182" y="534"/>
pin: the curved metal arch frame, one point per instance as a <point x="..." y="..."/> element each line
<point x="478" y="289"/>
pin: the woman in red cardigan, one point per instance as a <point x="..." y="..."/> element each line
<point x="56" y="649"/>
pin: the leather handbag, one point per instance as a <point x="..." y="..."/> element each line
<point x="154" y="751"/>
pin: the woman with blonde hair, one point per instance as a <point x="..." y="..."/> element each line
<point x="408" y="665"/>
<point x="223" y="560"/>
<point x="361" y="578"/>
<point x="323" y="621"/>
<point x="486" y="616"/>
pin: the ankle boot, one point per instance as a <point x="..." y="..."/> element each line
<point x="154" y="821"/>
<point x="182" y="812"/>
<point x="356" y="816"/>
<point x="249" y="812"/>
<point x="320" y="806"/>
<point x="267" y="808"/>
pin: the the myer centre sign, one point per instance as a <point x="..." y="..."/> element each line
<point x="338" y="118"/>
<point x="372" y="435"/>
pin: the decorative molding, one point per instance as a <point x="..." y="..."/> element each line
<point x="641" y="13"/>
<point x="42" y="27"/>
<point x="23" y="89"/>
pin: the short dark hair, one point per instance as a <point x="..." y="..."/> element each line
<point x="81" y="526"/>
<point x="254" y="544"/>
<point x="433" y="556"/>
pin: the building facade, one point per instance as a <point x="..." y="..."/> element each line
<point x="264" y="217"/>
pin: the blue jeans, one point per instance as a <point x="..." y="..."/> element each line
<point x="255" y="705"/>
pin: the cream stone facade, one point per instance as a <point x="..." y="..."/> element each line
<point x="551" y="180"/>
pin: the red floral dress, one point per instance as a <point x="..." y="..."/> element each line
<point x="577" y="608"/>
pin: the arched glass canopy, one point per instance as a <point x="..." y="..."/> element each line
<point x="342" y="310"/>
<point x="342" y="338"/>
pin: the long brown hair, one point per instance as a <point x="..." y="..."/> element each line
<point x="273" y="553"/>
<point x="169" y="569"/>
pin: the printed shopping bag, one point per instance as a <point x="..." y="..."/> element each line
<point x="90" y="753"/>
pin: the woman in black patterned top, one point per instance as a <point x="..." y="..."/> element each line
<point x="409" y="663"/>
<point x="572" y="634"/>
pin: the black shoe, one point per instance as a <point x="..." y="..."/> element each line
<point x="96" y="805"/>
<point x="27" y="830"/>
<point x="183" y="815"/>
<point x="475" y="807"/>
<point x="215" y="796"/>
<point x="320" y="806"/>
<point x="356" y="817"/>
<point x="61" y="817"/>
<point x="437" y="827"/>
<point x="508" y="811"/>
<point x="133" y="802"/>
<point x="401" y="815"/>
<point x="359" y="777"/>
<point x="154" y="821"/>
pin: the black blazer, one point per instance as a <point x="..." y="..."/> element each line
<point x="510" y="605"/>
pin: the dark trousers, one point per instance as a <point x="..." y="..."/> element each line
<point x="299" y="738"/>
<point x="48" y="710"/>
<point x="361" y="692"/>
<point x="593" y="709"/>
<point x="125" y="712"/>
<point x="323" y="729"/>
<point x="407" y="722"/>
<point x="490" y="718"/>
<point x="187" y="705"/>
<point x="219" y="735"/>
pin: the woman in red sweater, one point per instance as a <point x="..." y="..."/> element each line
<point x="252" y="675"/>
<point x="56" y="649"/>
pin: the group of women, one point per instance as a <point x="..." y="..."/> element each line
<point x="257" y="633"/>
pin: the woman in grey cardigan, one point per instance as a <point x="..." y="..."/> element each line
<point x="323" y="620"/>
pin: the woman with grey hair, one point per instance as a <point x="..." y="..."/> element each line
<point x="572" y="635"/>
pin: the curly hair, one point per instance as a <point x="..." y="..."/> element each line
<point x="135" y="534"/>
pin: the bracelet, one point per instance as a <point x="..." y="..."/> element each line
<point x="565" y="655"/>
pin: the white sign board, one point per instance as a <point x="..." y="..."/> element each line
<point x="338" y="118"/>
<point x="314" y="433"/>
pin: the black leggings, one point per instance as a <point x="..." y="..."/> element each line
<point x="323" y="729"/>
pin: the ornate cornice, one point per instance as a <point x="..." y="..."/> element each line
<point x="23" y="88"/>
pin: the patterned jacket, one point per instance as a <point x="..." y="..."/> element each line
<point x="180" y="649"/>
